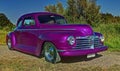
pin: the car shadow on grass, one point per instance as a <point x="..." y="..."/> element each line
<point x="78" y="59"/>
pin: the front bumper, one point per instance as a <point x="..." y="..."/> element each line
<point x="80" y="52"/>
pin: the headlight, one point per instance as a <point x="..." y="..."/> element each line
<point x="71" y="40"/>
<point x="102" y="38"/>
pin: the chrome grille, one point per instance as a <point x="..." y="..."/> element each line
<point x="88" y="42"/>
<point x="97" y="42"/>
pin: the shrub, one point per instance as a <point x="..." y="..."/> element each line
<point x="111" y="33"/>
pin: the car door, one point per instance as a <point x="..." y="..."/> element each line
<point x="29" y="35"/>
<point x="17" y="32"/>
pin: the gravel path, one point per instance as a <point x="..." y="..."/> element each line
<point x="103" y="60"/>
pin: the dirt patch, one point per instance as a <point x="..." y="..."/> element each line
<point x="17" y="61"/>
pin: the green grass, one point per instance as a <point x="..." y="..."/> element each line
<point x="111" y="33"/>
<point x="2" y="37"/>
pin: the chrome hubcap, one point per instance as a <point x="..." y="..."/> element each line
<point x="9" y="43"/>
<point x="49" y="53"/>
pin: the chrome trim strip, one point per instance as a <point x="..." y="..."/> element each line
<point x="42" y="29"/>
<point x="61" y="50"/>
<point x="82" y="37"/>
<point x="83" y="49"/>
<point x="74" y="49"/>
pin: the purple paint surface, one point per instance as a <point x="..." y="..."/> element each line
<point x="31" y="38"/>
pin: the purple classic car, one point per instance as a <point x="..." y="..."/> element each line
<point x="49" y="34"/>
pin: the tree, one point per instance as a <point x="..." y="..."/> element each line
<point x="5" y="23"/>
<point x="92" y="1"/>
<point x="51" y="8"/>
<point x="109" y="18"/>
<point x="93" y="14"/>
<point x="60" y="9"/>
<point x="89" y="11"/>
<point x="47" y="8"/>
<point x="72" y="10"/>
<point x="82" y="10"/>
<point x="81" y="6"/>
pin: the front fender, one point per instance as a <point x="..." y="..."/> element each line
<point x="97" y="34"/>
<point x="59" y="40"/>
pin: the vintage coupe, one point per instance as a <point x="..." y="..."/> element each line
<point x="49" y="34"/>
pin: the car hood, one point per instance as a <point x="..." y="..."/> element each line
<point x="80" y="30"/>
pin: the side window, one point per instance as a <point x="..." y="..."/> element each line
<point x="29" y="22"/>
<point x="20" y="23"/>
<point x="46" y="19"/>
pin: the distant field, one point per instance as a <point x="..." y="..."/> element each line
<point x="110" y="31"/>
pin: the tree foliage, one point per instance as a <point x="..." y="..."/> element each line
<point x="5" y="23"/>
<point x="109" y="18"/>
<point x="51" y="8"/>
<point x="83" y="11"/>
<point x="86" y="9"/>
<point x="58" y="8"/>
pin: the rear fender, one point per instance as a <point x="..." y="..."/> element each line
<point x="12" y="37"/>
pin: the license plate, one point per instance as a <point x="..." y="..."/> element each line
<point x="90" y="55"/>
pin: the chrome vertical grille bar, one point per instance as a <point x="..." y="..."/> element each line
<point x="89" y="42"/>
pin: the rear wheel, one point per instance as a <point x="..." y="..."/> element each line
<point x="50" y="53"/>
<point x="9" y="43"/>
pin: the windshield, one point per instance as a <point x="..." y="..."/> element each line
<point x="51" y="19"/>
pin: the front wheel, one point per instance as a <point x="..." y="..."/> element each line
<point x="50" y="53"/>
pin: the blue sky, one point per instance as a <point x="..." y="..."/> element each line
<point x="15" y="8"/>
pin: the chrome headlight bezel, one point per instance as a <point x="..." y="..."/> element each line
<point x="102" y="38"/>
<point x="71" y="40"/>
